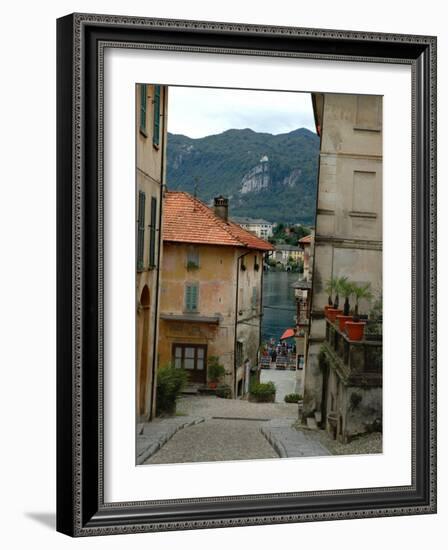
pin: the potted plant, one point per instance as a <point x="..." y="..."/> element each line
<point x="215" y="372"/>
<point x="262" y="392"/>
<point x="346" y="290"/>
<point x="170" y="383"/>
<point x="338" y="284"/>
<point x="355" y="327"/>
<point x="329" y="288"/>
<point x="332" y="313"/>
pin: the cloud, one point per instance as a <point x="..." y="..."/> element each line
<point x="199" y="112"/>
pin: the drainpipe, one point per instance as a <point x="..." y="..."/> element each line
<point x="263" y="257"/>
<point x="235" y="384"/>
<point x="159" y="249"/>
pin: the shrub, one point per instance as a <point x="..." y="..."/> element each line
<point x="293" y="398"/>
<point x="170" y="382"/>
<point x="263" y="392"/>
<point x="215" y="370"/>
<point x="224" y="391"/>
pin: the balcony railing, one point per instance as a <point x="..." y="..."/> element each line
<point x="358" y="362"/>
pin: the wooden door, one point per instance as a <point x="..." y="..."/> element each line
<point x="192" y="358"/>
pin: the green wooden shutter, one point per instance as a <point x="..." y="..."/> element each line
<point x="191" y="297"/>
<point x="143" y="96"/>
<point x="156" y="127"/>
<point x="141" y="229"/>
<point x="152" y="233"/>
<point x="188" y="298"/>
<point x="194" y="297"/>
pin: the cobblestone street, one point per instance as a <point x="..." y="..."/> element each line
<point x="216" y="440"/>
<point x="234" y="430"/>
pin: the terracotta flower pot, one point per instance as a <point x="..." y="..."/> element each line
<point x="326" y="308"/>
<point x="332" y="313"/>
<point x="355" y="331"/>
<point x="342" y="319"/>
<point x="213" y="385"/>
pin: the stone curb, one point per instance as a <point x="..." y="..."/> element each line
<point x="289" y="442"/>
<point x="152" y="436"/>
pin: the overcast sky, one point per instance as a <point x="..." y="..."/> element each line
<point x="199" y="112"/>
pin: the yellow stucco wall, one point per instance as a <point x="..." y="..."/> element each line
<point x="150" y="177"/>
<point x="217" y="278"/>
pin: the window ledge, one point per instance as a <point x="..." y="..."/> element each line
<point x="357" y="214"/>
<point x="365" y="129"/>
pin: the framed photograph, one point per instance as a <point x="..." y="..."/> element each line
<point x="241" y="211"/>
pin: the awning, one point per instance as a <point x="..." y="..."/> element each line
<point x="289" y="333"/>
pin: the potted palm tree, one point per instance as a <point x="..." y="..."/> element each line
<point x="332" y="312"/>
<point x="355" y="327"/>
<point x="329" y="288"/>
<point x="346" y="289"/>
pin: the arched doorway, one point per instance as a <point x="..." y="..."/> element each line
<point x="144" y="402"/>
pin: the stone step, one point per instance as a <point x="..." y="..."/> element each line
<point x="190" y="390"/>
<point x="311" y="423"/>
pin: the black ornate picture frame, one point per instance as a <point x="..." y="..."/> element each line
<point x="81" y="40"/>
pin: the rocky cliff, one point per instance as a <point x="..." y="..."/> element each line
<point x="264" y="175"/>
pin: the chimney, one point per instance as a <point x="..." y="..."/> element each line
<point x="221" y="207"/>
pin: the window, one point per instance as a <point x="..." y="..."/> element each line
<point x="152" y="233"/>
<point x="141" y="229"/>
<point x="191" y="297"/>
<point x="256" y="264"/>
<point x="192" y="257"/>
<point x="156" y="127"/>
<point x="239" y="353"/>
<point x="143" y="108"/>
<point x="191" y="357"/>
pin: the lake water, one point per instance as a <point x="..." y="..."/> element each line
<point x="278" y="303"/>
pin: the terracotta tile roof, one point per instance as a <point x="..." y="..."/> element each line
<point x="308" y="239"/>
<point x="189" y="220"/>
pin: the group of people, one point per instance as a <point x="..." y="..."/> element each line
<point x="274" y="349"/>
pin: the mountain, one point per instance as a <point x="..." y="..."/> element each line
<point x="265" y="176"/>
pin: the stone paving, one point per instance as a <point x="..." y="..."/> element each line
<point x="289" y="442"/>
<point x="286" y="381"/>
<point x="227" y="429"/>
<point x="211" y="406"/>
<point x="153" y="435"/>
<point x="216" y="439"/>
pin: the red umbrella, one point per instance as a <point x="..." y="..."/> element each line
<point x="289" y="333"/>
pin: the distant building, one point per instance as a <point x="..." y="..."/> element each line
<point x="343" y="378"/>
<point x="307" y="244"/>
<point x="287" y="253"/>
<point x="151" y="140"/>
<point x="260" y="228"/>
<point x="211" y="295"/>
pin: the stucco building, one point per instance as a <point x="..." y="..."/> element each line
<point x="343" y="379"/>
<point x="151" y="131"/>
<point x="307" y="244"/>
<point x="287" y="253"/>
<point x="259" y="227"/>
<point x="211" y="290"/>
